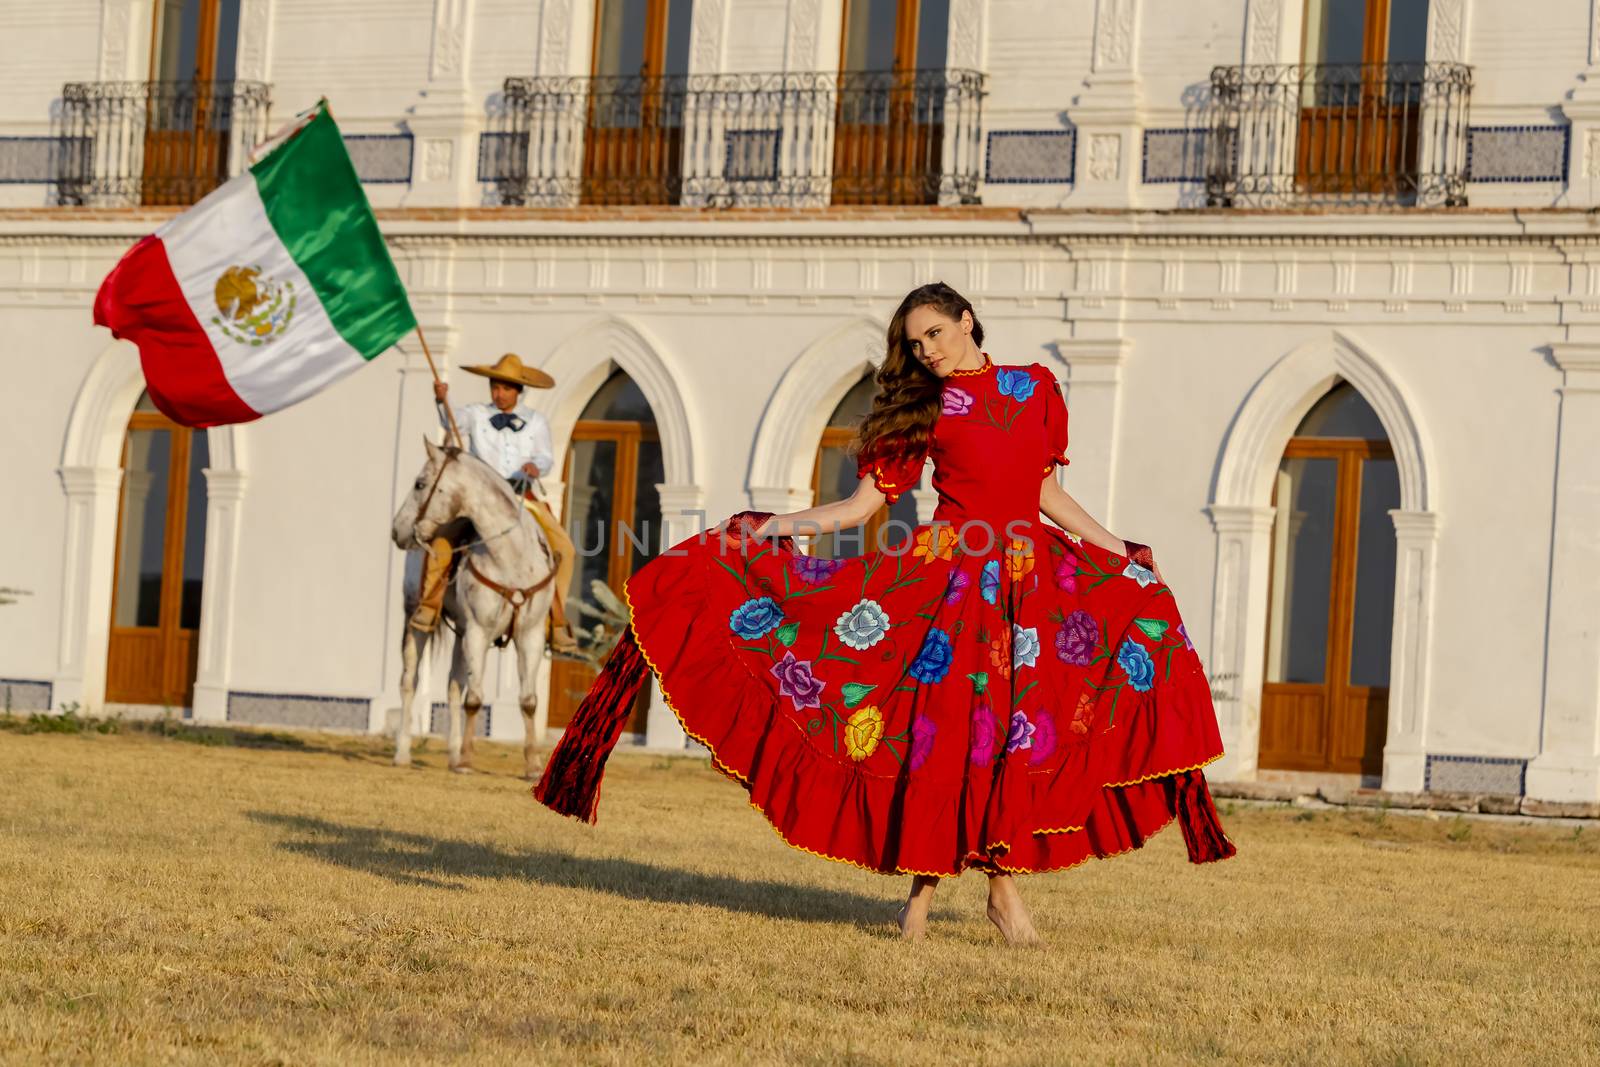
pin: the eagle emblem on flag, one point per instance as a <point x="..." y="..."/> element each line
<point x="253" y="309"/>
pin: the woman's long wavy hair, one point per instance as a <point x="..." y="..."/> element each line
<point x="909" y="395"/>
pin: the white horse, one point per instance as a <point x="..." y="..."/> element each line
<point x="504" y="582"/>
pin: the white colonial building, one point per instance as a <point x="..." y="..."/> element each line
<point x="1322" y="276"/>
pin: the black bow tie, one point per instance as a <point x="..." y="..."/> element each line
<point x="506" y="420"/>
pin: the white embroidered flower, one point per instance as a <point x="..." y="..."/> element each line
<point x="863" y="625"/>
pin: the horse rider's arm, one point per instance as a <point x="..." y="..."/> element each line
<point x="465" y="414"/>
<point x="543" y="450"/>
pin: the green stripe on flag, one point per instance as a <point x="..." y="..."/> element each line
<point x="320" y="212"/>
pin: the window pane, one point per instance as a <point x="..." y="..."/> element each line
<point x="856" y="405"/>
<point x="144" y="519"/>
<point x="1302" y="570"/>
<point x="933" y="31"/>
<point x="679" y="16"/>
<point x="588" y="512"/>
<point x="1342" y="412"/>
<point x="620" y="49"/>
<point x="227" y="40"/>
<point x="194" y="532"/>
<point x="1408" y="33"/>
<point x="869" y="35"/>
<point x="1374" y="618"/>
<point x="1336" y="30"/>
<point x="647" y="504"/>
<point x="619" y="400"/>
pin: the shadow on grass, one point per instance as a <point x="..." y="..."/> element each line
<point x="418" y="859"/>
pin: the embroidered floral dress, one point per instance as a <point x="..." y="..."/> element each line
<point x="1020" y="702"/>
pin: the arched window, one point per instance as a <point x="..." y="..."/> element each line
<point x="612" y="514"/>
<point x="834" y="477"/>
<point x="1331" y="595"/>
<point x="161" y="549"/>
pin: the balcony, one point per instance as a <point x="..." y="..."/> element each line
<point x="152" y="143"/>
<point x="738" y="140"/>
<point x="1338" y="135"/>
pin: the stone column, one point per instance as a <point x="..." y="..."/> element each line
<point x="1094" y="386"/>
<point x="1405" y="758"/>
<point x="1108" y="112"/>
<point x="89" y="561"/>
<point x="224" y="499"/>
<point x="1568" y="765"/>
<point x="446" y="121"/>
<point x="1238" y="634"/>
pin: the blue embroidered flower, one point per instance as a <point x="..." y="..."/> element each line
<point x="755" y="618"/>
<point x="1024" y="645"/>
<point x="933" y="660"/>
<point x="989" y="580"/>
<point x="863" y="625"/>
<point x="1138" y="665"/>
<point x="1015" y="383"/>
<point x="1143" y="575"/>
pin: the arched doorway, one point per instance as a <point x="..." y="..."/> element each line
<point x="613" y="515"/>
<point x="833" y="477"/>
<point x="160" y="561"/>
<point x="1324" y="704"/>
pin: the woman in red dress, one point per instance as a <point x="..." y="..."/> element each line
<point x="991" y="692"/>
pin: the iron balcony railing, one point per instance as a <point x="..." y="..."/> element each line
<point x="155" y="142"/>
<point x="1375" y="134"/>
<point x="771" y="139"/>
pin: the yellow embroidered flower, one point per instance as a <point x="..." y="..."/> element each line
<point x="863" y="731"/>
<point x="1000" y="654"/>
<point x="935" y="541"/>
<point x="1019" y="559"/>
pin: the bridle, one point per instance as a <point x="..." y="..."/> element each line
<point x="515" y="597"/>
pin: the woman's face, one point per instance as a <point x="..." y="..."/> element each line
<point x="936" y="340"/>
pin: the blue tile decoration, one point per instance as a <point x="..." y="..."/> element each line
<point x="381" y="158"/>
<point x="296" y="709"/>
<point x="1030" y="157"/>
<point x="438" y="724"/>
<point x="19" y="695"/>
<point x="1518" y="153"/>
<point x="1476" y="774"/>
<point x="41" y="160"/>
<point x="751" y="155"/>
<point x="1174" y="155"/>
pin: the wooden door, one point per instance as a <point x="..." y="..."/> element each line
<point x="633" y="133"/>
<point x="161" y="535"/>
<point x="611" y="471"/>
<point x="889" y="129"/>
<point x="1361" y="103"/>
<point x="188" y="103"/>
<point x="1324" y="706"/>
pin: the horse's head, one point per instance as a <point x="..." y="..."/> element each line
<point x="435" y="498"/>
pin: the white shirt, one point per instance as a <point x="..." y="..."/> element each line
<point x="506" y="450"/>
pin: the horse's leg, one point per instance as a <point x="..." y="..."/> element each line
<point x="530" y="651"/>
<point x="458" y="681"/>
<point x="475" y="642"/>
<point x="411" y="649"/>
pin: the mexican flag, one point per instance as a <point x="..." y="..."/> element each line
<point x="273" y="287"/>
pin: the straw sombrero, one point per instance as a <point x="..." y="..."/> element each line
<point x="509" y="369"/>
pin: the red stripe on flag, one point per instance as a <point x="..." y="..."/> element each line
<point x="140" y="301"/>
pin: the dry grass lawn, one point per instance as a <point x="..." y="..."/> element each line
<point x="299" y="901"/>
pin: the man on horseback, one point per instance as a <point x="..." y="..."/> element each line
<point x="515" y="441"/>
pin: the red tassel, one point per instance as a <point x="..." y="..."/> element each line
<point x="1197" y="815"/>
<point x="570" y="784"/>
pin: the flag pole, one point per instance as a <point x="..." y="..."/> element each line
<point x="449" y="415"/>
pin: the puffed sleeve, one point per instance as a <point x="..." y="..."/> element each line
<point x="893" y="471"/>
<point x="1055" y="421"/>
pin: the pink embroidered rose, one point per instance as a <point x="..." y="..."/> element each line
<point x="957" y="401"/>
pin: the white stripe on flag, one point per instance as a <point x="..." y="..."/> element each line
<point x="229" y="229"/>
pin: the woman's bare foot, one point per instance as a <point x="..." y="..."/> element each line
<point x="913" y="915"/>
<point x="1009" y="913"/>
